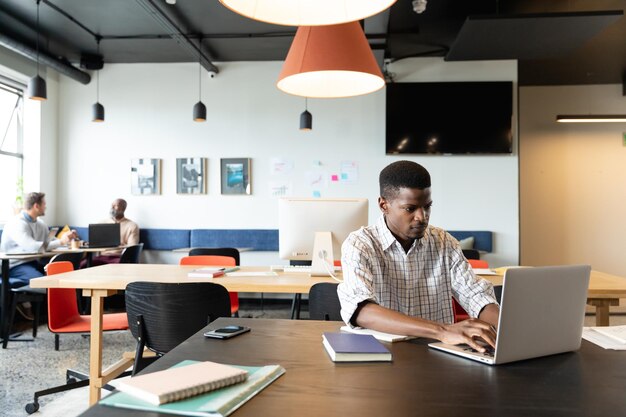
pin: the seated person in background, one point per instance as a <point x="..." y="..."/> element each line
<point x="129" y="233"/>
<point x="27" y="233"/>
<point x="400" y="273"/>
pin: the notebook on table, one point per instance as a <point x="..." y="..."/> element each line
<point x="104" y="235"/>
<point x="541" y="313"/>
<point x="350" y="347"/>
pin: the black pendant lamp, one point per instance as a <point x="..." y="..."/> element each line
<point x="37" y="85"/>
<point x="97" y="110"/>
<point x="199" y="109"/>
<point x="306" y="118"/>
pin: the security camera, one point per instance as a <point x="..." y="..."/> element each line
<point x="212" y="74"/>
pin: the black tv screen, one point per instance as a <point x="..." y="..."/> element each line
<point x="449" y="118"/>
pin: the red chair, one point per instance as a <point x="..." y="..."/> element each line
<point x="63" y="314"/>
<point x="459" y="313"/>
<point x="216" y="260"/>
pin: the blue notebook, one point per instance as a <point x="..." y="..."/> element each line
<point x="348" y="347"/>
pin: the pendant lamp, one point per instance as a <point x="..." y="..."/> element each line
<point x="306" y="118"/>
<point x="330" y="62"/>
<point x="199" y="109"/>
<point x="588" y="118"/>
<point x="307" y="12"/>
<point x="37" y="85"/>
<point x="97" y="110"/>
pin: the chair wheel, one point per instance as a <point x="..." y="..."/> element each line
<point x="32" y="407"/>
<point x="71" y="380"/>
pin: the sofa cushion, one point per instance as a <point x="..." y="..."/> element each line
<point x="256" y="239"/>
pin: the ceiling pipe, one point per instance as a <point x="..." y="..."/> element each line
<point x="176" y="28"/>
<point x="44" y="59"/>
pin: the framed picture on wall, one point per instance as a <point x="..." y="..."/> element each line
<point x="236" y="177"/>
<point x="145" y="176"/>
<point x="191" y="175"/>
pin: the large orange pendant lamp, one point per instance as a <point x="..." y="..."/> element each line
<point x="307" y="12"/>
<point x="329" y="62"/>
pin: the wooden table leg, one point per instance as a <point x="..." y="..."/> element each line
<point x="602" y="309"/>
<point x="95" y="344"/>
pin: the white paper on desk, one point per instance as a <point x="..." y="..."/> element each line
<point x="483" y="271"/>
<point x="601" y="340"/>
<point x="252" y="274"/>
<point x="385" y="337"/>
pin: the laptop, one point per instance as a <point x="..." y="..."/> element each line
<point x="541" y="313"/>
<point x="104" y="235"/>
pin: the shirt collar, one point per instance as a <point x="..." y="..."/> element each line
<point x="27" y="217"/>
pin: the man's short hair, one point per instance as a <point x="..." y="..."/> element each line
<point x="32" y="199"/>
<point x="402" y="174"/>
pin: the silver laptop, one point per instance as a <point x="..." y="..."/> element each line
<point x="104" y="235"/>
<point x="541" y="313"/>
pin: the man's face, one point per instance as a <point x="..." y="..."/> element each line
<point x="117" y="210"/>
<point x="407" y="214"/>
<point x="40" y="209"/>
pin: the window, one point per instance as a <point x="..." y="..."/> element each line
<point x="11" y="150"/>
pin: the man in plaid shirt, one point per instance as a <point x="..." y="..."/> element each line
<point x="400" y="274"/>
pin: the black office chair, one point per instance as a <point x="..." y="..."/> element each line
<point x="36" y="296"/>
<point x="162" y="315"/>
<point x="324" y="302"/>
<point x="73" y="257"/>
<point x="130" y="254"/>
<point x="471" y="254"/>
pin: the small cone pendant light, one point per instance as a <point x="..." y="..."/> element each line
<point x="330" y="62"/>
<point x="199" y="109"/>
<point x="306" y="118"/>
<point x="97" y="110"/>
<point x="37" y="85"/>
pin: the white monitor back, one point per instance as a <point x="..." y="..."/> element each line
<point x="299" y="219"/>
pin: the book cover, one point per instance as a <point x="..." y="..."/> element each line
<point x="206" y="272"/>
<point x="348" y="347"/>
<point x="181" y="382"/>
<point x="218" y="403"/>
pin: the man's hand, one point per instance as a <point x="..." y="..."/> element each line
<point x="68" y="236"/>
<point x="468" y="332"/>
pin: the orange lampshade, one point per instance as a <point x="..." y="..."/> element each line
<point x="329" y="62"/>
<point x="307" y="12"/>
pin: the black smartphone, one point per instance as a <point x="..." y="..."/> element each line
<point x="227" y="332"/>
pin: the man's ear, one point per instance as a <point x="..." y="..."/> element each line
<point x="382" y="204"/>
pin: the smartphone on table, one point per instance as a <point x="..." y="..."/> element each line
<point x="227" y="332"/>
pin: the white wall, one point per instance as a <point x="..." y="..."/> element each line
<point x="148" y="115"/>
<point x="573" y="187"/>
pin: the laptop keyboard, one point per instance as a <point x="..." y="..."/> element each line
<point x="489" y="352"/>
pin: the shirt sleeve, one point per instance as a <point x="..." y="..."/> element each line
<point x="133" y="235"/>
<point x="472" y="292"/>
<point x="23" y="238"/>
<point x="357" y="277"/>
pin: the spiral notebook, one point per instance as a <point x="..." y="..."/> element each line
<point x="177" y="383"/>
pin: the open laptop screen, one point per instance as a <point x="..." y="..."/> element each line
<point x="103" y="235"/>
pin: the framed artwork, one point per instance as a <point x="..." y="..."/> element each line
<point x="145" y="176"/>
<point x="236" y="177"/>
<point x="191" y="175"/>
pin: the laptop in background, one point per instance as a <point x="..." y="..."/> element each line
<point x="103" y="235"/>
<point x="541" y="313"/>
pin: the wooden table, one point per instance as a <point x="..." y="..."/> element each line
<point x="419" y="381"/>
<point x="102" y="281"/>
<point x="605" y="290"/>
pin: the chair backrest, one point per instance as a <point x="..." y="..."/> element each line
<point x="62" y="304"/>
<point x="232" y="252"/>
<point x="324" y="302"/>
<point x="478" y="263"/>
<point x="130" y="255"/>
<point x="173" y="312"/>
<point x="73" y="257"/>
<point x="471" y="253"/>
<point x="208" y="260"/>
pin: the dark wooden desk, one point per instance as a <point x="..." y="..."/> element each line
<point x="419" y="382"/>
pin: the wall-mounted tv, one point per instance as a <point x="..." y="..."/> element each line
<point x="449" y="118"/>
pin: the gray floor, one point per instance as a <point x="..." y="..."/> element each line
<point x="29" y="366"/>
